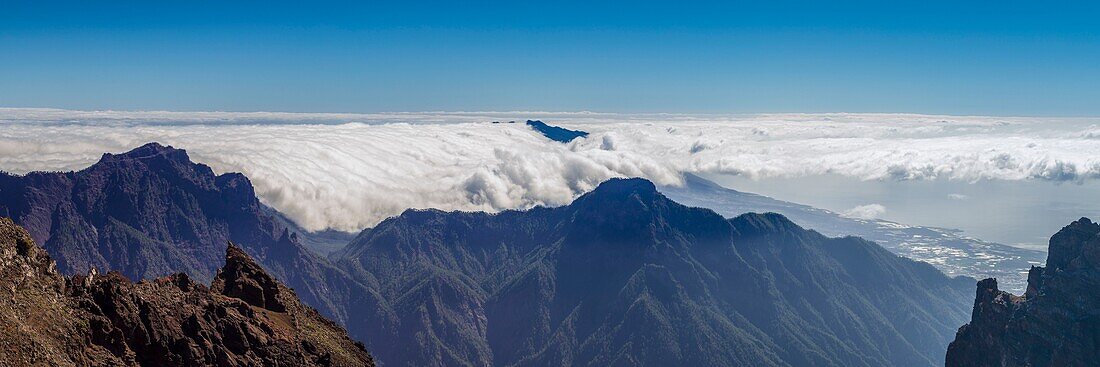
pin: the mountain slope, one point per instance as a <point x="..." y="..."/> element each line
<point x="1055" y="323"/>
<point x="244" y="318"/>
<point x="948" y="250"/>
<point x="625" y="276"/>
<point x="621" y="276"/>
<point x="151" y="212"/>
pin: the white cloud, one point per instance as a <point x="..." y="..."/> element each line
<point x="866" y="212"/>
<point x="958" y="196"/>
<point x="352" y="175"/>
<point x="348" y="171"/>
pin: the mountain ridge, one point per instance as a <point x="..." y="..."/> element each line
<point x="555" y="133"/>
<point x="625" y="267"/>
<point x="623" y="275"/>
<point x="152" y="212"/>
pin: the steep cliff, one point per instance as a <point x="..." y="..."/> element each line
<point x="1056" y="322"/>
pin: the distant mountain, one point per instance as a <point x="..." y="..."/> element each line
<point x="626" y="276"/>
<point x="948" y="250"/>
<point x="558" y="134"/>
<point x="244" y="318"/>
<point x="621" y="276"/>
<point x="151" y="212"/>
<point x="1055" y="323"/>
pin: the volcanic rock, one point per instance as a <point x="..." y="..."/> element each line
<point x="1056" y="322"/>
<point x="245" y="319"/>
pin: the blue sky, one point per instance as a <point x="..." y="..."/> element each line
<point x="1005" y="58"/>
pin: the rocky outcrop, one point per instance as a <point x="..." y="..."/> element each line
<point x="243" y="278"/>
<point x="39" y="325"/>
<point x="1056" y="322"/>
<point x="245" y="319"/>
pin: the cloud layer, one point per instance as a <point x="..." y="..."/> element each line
<point x="865" y="212"/>
<point x="349" y="171"/>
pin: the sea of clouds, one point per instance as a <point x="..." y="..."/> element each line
<point x="350" y="171"/>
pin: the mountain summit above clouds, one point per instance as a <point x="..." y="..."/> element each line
<point x="148" y="212"/>
<point x="555" y="133"/>
<point x="625" y="276"/>
<point x="151" y="212"/>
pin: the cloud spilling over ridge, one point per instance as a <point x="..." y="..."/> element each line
<point x="349" y="171"/>
<point x="353" y="175"/>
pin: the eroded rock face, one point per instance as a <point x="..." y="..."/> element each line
<point x="38" y="324"/>
<point x="244" y="279"/>
<point x="245" y="319"/>
<point x="1055" y="323"/>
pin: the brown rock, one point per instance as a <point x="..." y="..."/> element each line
<point x="245" y="318"/>
<point x="243" y="278"/>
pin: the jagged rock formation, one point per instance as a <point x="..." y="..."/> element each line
<point x="1056" y="322"/>
<point x="39" y="325"/>
<point x="245" y="319"/>
<point x="625" y="276"/>
<point x="151" y="212"/>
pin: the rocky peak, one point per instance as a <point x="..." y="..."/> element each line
<point x="1077" y="245"/>
<point x="19" y="254"/>
<point x="148" y="212"/>
<point x="627" y="185"/>
<point x="620" y="211"/>
<point x="243" y="278"/>
<point x="987" y="291"/>
<point x="148" y="151"/>
<point x="108" y="320"/>
<point x="164" y="161"/>
<point x="1053" y="324"/>
<point x="618" y="192"/>
<point x="630" y="211"/>
<point x="151" y="212"/>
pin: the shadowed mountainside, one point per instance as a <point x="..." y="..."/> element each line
<point x="151" y="212"/>
<point x="622" y="276"/>
<point x="1057" y="320"/>
<point x="625" y="276"/>
<point x="244" y="318"/>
